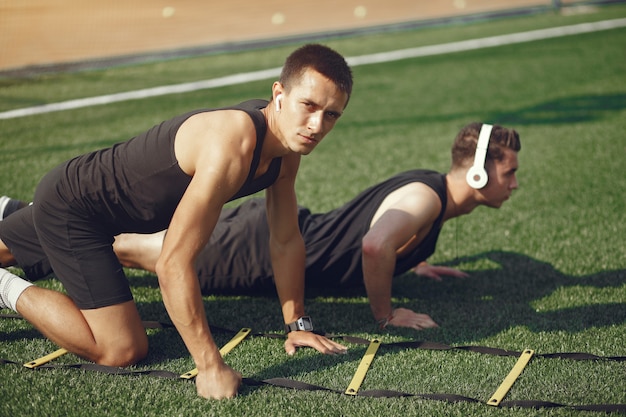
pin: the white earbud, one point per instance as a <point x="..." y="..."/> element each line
<point x="278" y="97"/>
<point x="477" y="175"/>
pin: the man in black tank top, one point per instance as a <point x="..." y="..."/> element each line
<point x="386" y="230"/>
<point x="177" y="175"/>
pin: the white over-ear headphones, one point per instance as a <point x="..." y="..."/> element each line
<point x="477" y="175"/>
<point x="278" y="98"/>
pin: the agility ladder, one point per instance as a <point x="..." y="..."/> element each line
<point x="353" y="388"/>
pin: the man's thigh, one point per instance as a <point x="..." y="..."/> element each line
<point x="80" y="253"/>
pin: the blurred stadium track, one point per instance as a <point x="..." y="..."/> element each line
<point x="57" y="35"/>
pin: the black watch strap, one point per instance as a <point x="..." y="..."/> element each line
<point x="304" y="323"/>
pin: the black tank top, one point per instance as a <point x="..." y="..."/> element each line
<point x="333" y="239"/>
<point x="135" y="186"/>
<point x="237" y="256"/>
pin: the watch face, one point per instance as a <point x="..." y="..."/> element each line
<point x="305" y="323"/>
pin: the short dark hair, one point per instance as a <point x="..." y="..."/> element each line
<point x="464" y="146"/>
<point x="322" y="59"/>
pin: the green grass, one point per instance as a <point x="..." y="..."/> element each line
<point x="548" y="270"/>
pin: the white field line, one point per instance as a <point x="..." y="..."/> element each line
<point x="421" y="51"/>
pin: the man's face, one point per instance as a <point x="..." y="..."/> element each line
<point x="502" y="180"/>
<point x="309" y="111"/>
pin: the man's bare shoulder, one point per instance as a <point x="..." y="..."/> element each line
<point x="415" y="199"/>
<point x="214" y="134"/>
<point x="216" y="125"/>
<point x="412" y="194"/>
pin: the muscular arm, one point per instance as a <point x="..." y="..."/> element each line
<point x="286" y="244"/>
<point x="287" y="253"/>
<point x="218" y="169"/>
<point x="408" y="215"/>
<point x="182" y="299"/>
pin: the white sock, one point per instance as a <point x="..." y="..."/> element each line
<point x="11" y="287"/>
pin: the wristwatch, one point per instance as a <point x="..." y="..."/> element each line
<point x="304" y="323"/>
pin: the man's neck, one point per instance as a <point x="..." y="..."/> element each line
<point x="461" y="199"/>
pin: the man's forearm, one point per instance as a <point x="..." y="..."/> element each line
<point x="182" y="299"/>
<point x="377" y="277"/>
<point x="288" y="262"/>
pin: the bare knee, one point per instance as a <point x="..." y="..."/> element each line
<point x="119" y="337"/>
<point x="124" y="354"/>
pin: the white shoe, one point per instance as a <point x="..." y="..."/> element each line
<point x="9" y="206"/>
<point x="4" y="200"/>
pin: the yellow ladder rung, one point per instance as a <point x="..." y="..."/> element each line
<point x="223" y="351"/>
<point x="366" y="361"/>
<point x="45" y="359"/>
<point x="508" y="382"/>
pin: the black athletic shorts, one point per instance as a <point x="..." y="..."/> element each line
<point x="49" y="238"/>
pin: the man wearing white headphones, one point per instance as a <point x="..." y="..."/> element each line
<point x="176" y="175"/>
<point x="386" y="230"/>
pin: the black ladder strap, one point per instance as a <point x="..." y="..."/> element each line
<point x="304" y="386"/>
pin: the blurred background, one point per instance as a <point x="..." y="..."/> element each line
<point x="59" y="34"/>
